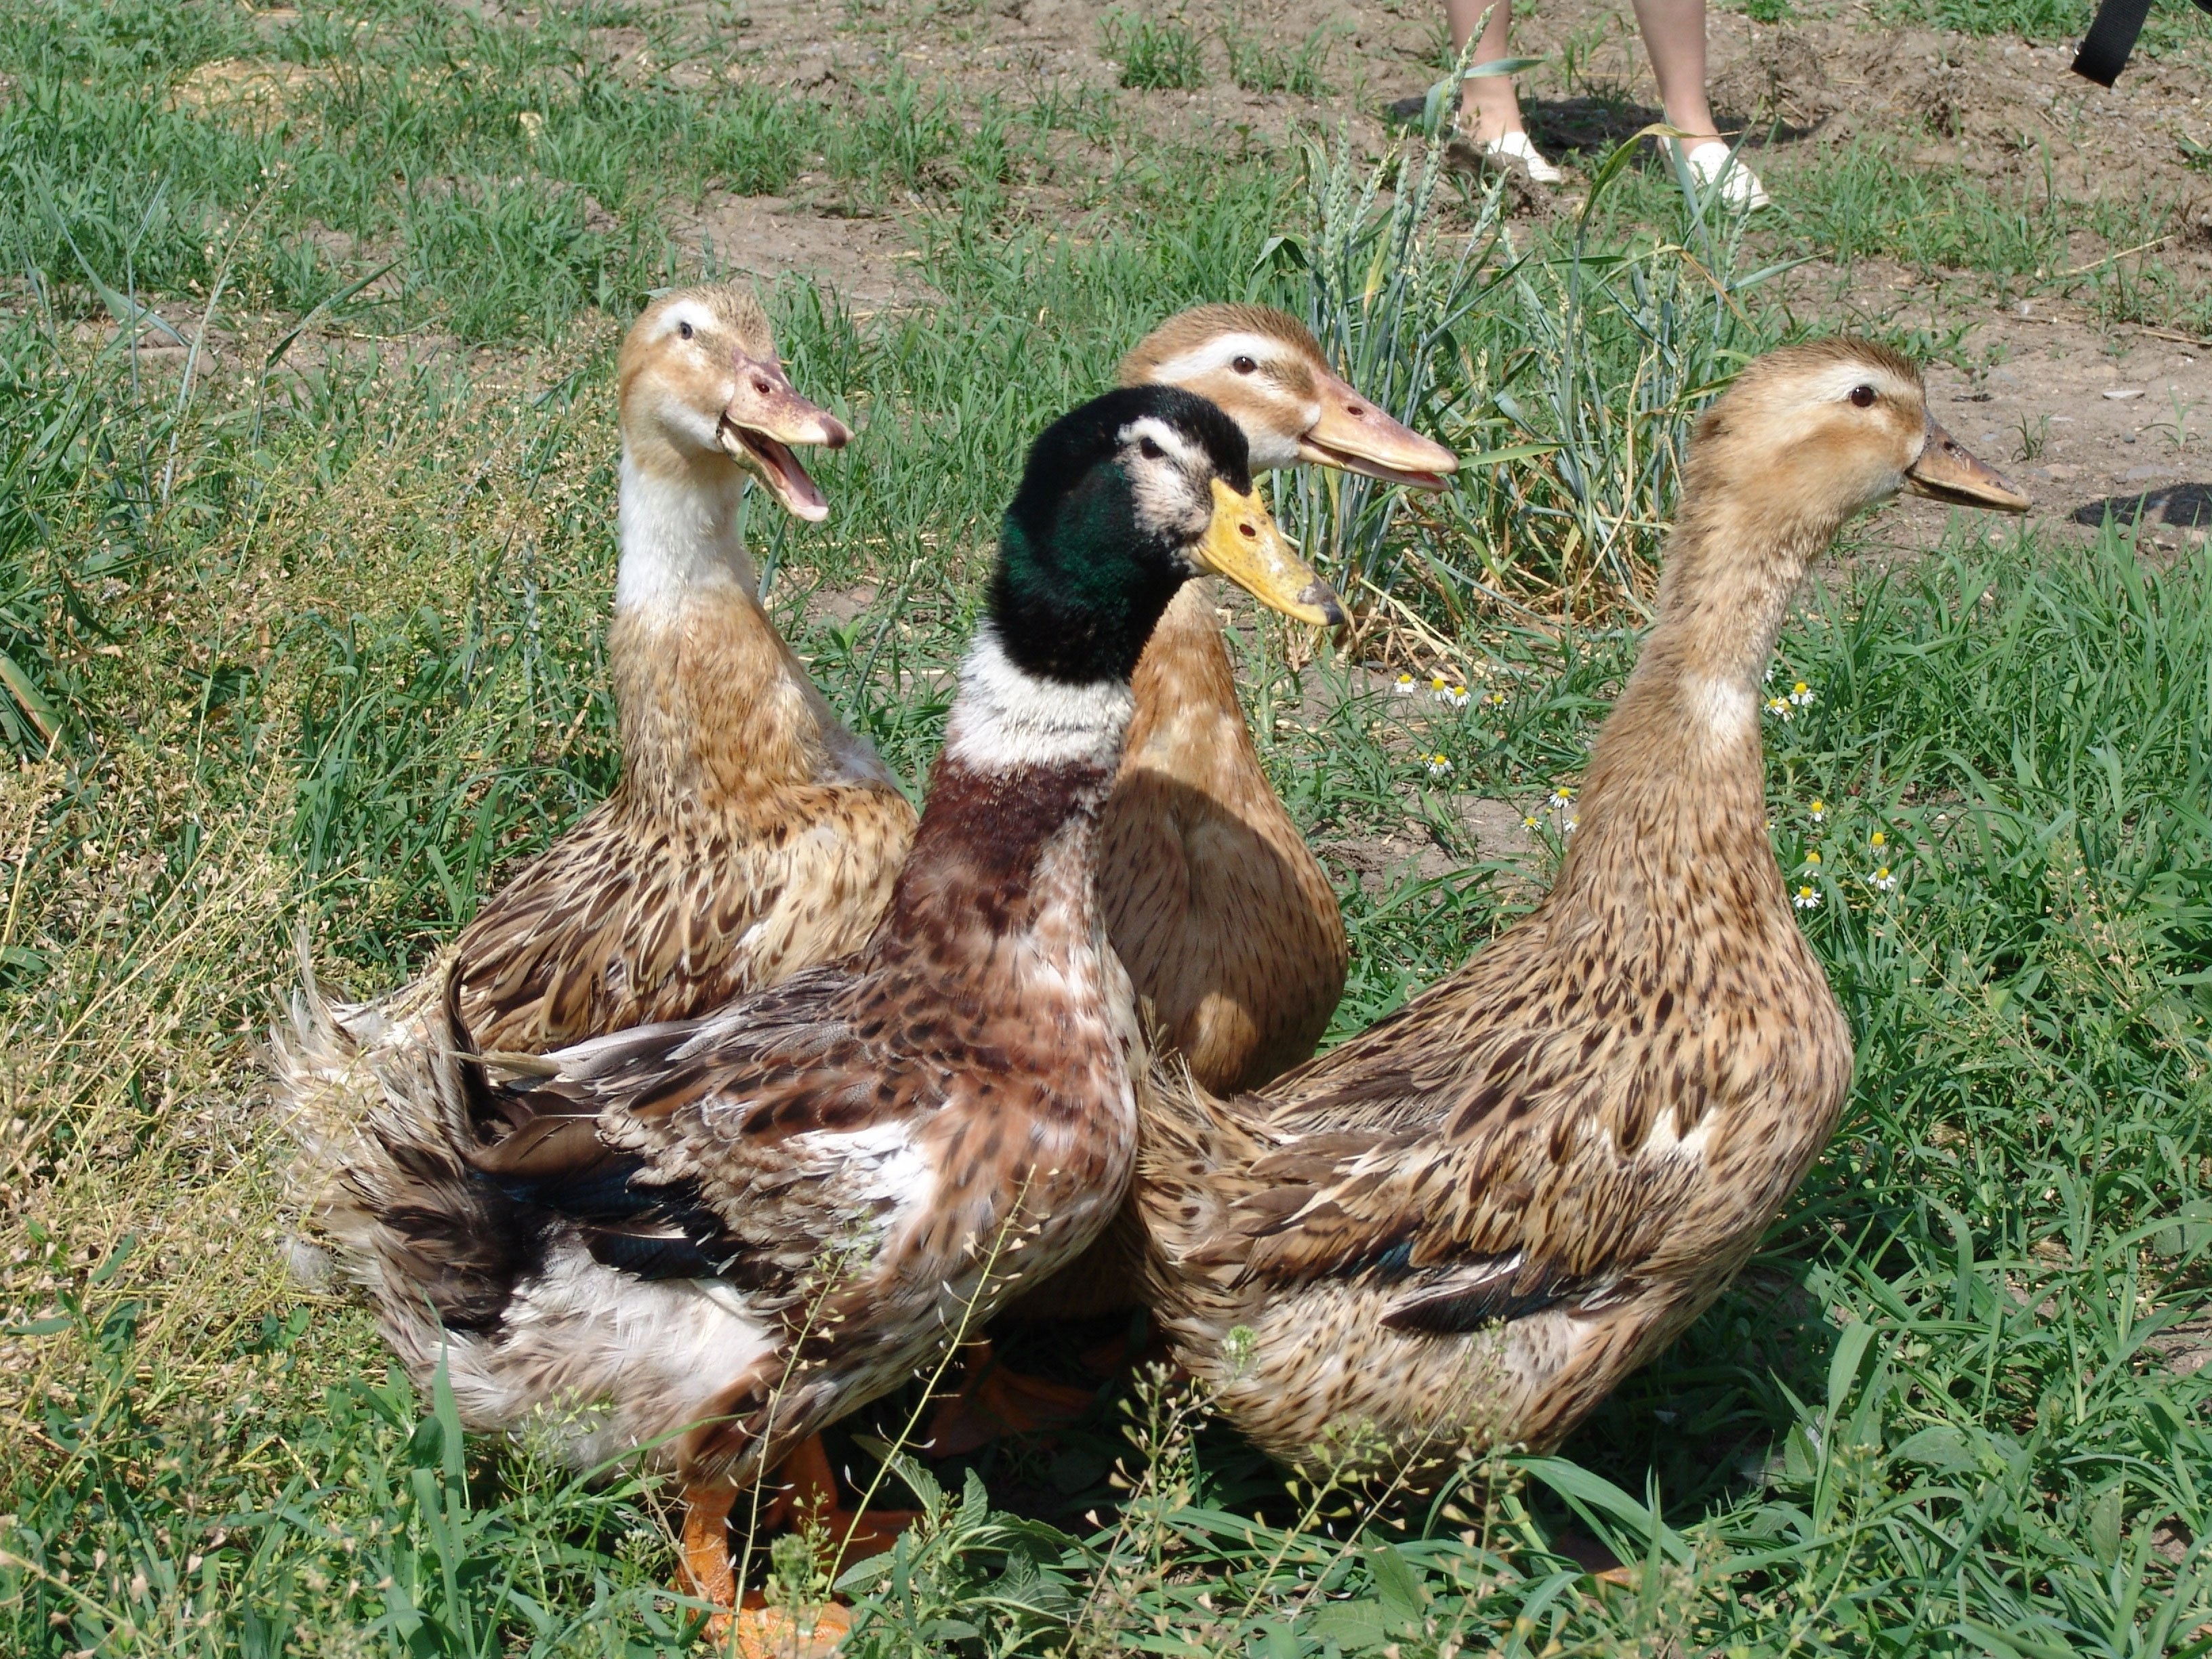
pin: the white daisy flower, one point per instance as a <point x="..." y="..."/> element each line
<point x="1802" y="695"/>
<point x="1404" y="688"/>
<point x="1807" y="898"/>
<point x="1439" y="765"/>
<point x="1818" y="811"/>
<point x="1883" y="880"/>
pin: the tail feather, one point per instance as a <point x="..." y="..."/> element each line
<point x="399" y="1134"/>
<point x="384" y="1101"/>
<point x="1191" y="1168"/>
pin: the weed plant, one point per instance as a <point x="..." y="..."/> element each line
<point x="1257" y="63"/>
<point x="1157" y="54"/>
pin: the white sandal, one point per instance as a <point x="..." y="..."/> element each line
<point x="1739" y="185"/>
<point x="1513" y="150"/>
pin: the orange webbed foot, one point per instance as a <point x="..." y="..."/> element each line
<point x="747" y="1626"/>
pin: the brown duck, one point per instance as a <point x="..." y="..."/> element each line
<point x="1468" y="1223"/>
<point x="751" y="835"/>
<point x="1226" y="920"/>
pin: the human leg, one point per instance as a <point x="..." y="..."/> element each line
<point x="1674" y="36"/>
<point x="1489" y="111"/>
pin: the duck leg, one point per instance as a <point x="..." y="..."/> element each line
<point x="702" y="1564"/>
<point x="994" y="1401"/>
<point x="811" y="1489"/>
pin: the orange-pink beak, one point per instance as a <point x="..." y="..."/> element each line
<point x="1356" y="436"/>
<point x="765" y="417"/>
<point x="1947" y="472"/>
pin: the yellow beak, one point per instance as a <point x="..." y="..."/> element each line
<point x="1243" y="544"/>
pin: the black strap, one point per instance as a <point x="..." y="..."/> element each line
<point x="2111" y="37"/>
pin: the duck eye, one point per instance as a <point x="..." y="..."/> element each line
<point x="1150" y="449"/>
<point x="1244" y="528"/>
<point x="1862" y="396"/>
<point x="1244" y="365"/>
<point x="683" y="329"/>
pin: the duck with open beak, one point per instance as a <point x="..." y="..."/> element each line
<point x="763" y="418"/>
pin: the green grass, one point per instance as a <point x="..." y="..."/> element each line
<point x="1156" y="54"/>
<point x="2166" y="30"/>
<point x="316" y="641"/>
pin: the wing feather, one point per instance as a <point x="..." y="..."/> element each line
<point x="683" y="1149"/>
<point x="1494" y="1167"/>
<point x="612" y="927"/>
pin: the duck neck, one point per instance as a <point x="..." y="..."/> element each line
<point x="712" y="704"/>
<point x="678" y="523"/>
<point x="1676" y="780"/>
<point x="1005" y="841"/>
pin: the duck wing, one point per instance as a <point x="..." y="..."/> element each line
<point x="1497" y="1162"/>
<point x="740" y="1148"/>
<point x="603" y="932"/>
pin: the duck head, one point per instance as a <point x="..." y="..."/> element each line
<point x="701" y="384"/>
<point x="1815" y="433"/>
<point x="1122" y="500"/>
<point x="1265" y="369"/>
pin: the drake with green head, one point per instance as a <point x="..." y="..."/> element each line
<point x="712" y="1237"/>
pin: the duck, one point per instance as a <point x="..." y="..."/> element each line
<point x="1463" y="1226"/>
<point x="700" y="1241"/>
<point x="751" y="834"/>
<point x="1227" y="923"/>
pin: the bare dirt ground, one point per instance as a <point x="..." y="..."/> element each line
<point x="2094" y="417"/>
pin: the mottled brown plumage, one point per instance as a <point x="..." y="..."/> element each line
<point x="1469" y="1222"/>
<point x="750" y="833"/>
